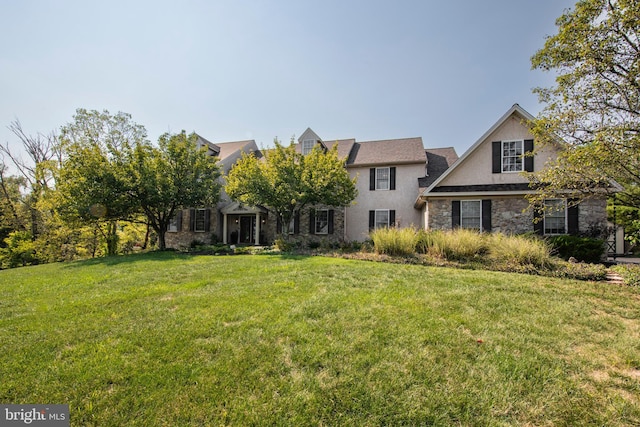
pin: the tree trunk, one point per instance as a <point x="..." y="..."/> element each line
<point x="112" y="238"/>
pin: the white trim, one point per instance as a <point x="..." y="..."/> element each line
<point x="315" y="225"/>
<point x="388" y="168"/>
<point x="521" y="141"/>
<point x="375" y="218"/>
<point x="566" y="218"/>
<point x="479" y="201"/>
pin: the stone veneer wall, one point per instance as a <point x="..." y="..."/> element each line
<point x="184" y="237"/>
<point x="304" y="234"/>
<point x="512" y="215"/>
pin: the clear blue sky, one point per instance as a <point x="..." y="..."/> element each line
<point x="232" y="70"/>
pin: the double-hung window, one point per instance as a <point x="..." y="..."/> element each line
<point x="173" y="224"/>
<point x="555" y="216"/>
<point x="512" y="156"/>
<point x="382" y="218"/>
<point x="471" y="214"/>
<point x="200" y="220"/>
<point x="307" y="146"/>
<point x="382" y="178"/>
<point x="322" y="221"/>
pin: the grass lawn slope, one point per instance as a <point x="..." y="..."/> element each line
<point x="171" y="340"/>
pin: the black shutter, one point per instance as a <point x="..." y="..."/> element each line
<point x="179" y="220"/>
<point x="392" y="218"/>
<point x="528" y="159"/>
<point x="312" y="221"/>
<point x="392" y="178"/>
<point x="455" y="214"/>
<point x="296" y="223"/>
<point x="486" y="216"/>
<point x="372" y="179"/>
<point x="192" y="219"/>
<point x="496" y="156"/>
<point x="372" y="220"/>
<point x="538" y="220"/>
<point x="572" y="218"/>
<point x="207" y="220"/>
<point x="330" y="221"/>
<point x="278" y="225"/>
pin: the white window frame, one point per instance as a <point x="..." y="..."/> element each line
<point x="462" y="216"/>
<point x="382" y="179"/>
<point x="560" y="214"/>
<point x="513" y="160"/>
<point x="376" y="221"/>
<point x="307" y="146"/>
<point x="202" y="220"/>
<point x="173" y="224"/>
<point x="292" y="225"/>
<point x="321" y="225"/>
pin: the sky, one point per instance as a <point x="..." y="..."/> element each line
<point x="232" y="70"/>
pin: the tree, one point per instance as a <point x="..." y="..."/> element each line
<point x="173" y="176"/>
<point x="285" y="181"/>
<point x="595" y="105"/>
<point x="93" y="182"/>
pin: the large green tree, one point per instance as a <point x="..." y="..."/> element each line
<point x="594" y="107"/>
<point x="285" y="181"/>
<point x="93" y="182"/>
<point x="172" y="176"/>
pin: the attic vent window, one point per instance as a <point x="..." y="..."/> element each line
<point x="307" y="146"/>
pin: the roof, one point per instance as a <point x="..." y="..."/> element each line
<point x="344" y="146"/>
<point x="228" y="148"/>
<point x="438" y="161"/>
<point x="389" y="151"/>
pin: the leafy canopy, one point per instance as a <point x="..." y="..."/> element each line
<point x="595" y="104"/>
<point x="285" y="181"/>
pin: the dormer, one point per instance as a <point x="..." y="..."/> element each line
<point x="308" y="140"/>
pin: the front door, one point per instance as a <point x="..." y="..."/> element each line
<point x="247" y="229"/>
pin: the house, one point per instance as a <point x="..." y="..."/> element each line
<point x="485" y="188"/>
<point x="402" y="184"/>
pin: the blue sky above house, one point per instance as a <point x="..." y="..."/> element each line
<point x="233" y="70"/>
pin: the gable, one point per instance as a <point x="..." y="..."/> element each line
<point x="477" y="166"/>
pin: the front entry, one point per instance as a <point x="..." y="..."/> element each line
<point x="247" y="229"/>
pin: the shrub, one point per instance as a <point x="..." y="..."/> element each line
<point x="585" y="249"/>
<point x="520" y="250"/>
<point x="394" y="241"/>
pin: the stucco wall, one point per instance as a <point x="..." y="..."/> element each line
<point x="476" y="168"/>
<point x="401" y="200"/>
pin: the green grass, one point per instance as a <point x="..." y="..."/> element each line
<point x="172" y="340"/>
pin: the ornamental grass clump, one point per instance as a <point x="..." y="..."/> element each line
<point x="394" y="241"/>
<point x="519" y="250"/>
<point x="458" y="245"/>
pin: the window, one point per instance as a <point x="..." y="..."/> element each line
<point x="555" y="216"/>
<point x="470" y="214"/>
<point x="382" y="219"/>
<point x="200" y="220"/>
<point x="322" y="221"/>
<point x="382" y="178"/>
<point x="173" y="224"/>
<point x="307" y="146"/>
<point x="512" y="156"/>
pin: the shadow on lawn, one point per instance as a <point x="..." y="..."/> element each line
<point x="127" y="259"/>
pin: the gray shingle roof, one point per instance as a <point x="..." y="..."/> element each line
<point x="438" y="161"/>
<point x="389" y="151"/>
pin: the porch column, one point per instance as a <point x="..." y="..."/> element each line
<point x="257" y="236"/>
<point x="224" y="229"/>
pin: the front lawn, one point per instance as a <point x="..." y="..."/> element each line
<point x="177" y="340"/>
